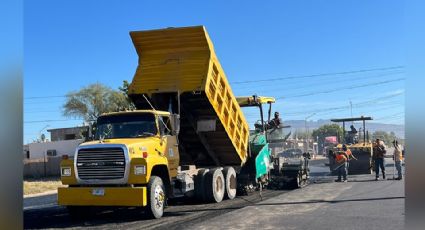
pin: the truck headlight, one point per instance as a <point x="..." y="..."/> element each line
<point x="65" y="171"/>
<point x="139" y="170"/>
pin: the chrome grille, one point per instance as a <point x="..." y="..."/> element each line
<point x="101" y="163"/>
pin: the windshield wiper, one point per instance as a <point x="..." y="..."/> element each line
<point x="144" y="134"/>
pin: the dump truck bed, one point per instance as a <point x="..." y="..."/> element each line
<point x="178" y="70"/>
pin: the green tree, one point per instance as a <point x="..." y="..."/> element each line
<point x="326" y="130"/>
<point x="93" y="100"/>
<point x="124" y="90"/>
<point x="124" y="87"/>
<point x="388" y="138"/>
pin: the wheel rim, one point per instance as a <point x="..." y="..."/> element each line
<point x="232" y="184"/>
<point x="159" y="197"/>
<point x="218" y="184"/>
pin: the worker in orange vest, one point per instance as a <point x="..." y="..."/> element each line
<point x="341" y="161"/>
<point x="348" y="155"/>
<point x="348" y="152"/>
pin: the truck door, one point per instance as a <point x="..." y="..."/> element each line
<point x="171" y="148"/>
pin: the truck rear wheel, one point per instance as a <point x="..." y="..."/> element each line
<point x="214" y="185"/>
<point x="230" y="182"/>
<point x="156" y="197"/>
<point x="200" y="184"/>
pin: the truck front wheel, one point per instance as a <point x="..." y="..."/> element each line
<point x="156" y="197"/>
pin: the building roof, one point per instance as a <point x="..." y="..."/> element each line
<point x="77" y="127"/>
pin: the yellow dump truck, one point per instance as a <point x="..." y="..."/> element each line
<point x="187" y="137"/>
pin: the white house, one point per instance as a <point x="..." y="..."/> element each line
<point x="54" y="148"/>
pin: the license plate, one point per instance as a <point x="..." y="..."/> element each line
<point x="98" y="192"/>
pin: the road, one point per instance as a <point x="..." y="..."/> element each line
<point x="362" y="203"/>
<point x="359" y="204"/>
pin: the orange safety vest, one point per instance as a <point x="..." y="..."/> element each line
<point x="349" y="153"/>
<point x="340" y="158"/>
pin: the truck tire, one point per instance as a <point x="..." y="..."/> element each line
<point x="214" y="186"/>
<point x="156" y="197"/>
<point x="229" y="174"/>
<point x="200" y="184"/>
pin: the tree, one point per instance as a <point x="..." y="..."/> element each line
<point x="388" y="138"/>
<point x="93" y="100"/>
<point x="327" y="130"/>
<point x="124" y="87"/>
<point x="124" y="90"/>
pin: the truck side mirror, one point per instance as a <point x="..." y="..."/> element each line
<point x="175" y="124"/>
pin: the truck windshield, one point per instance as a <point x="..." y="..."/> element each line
<point x="133" y="125"/>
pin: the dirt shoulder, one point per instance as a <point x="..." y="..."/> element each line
<point x="36" y="186"/>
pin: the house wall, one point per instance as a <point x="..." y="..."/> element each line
<point x="39" y="150"/>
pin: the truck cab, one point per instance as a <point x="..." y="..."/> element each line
<point x="130" y="162"/>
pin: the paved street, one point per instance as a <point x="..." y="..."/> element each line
<point x="362" y="203"/>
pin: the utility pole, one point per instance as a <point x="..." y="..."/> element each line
<point x="351" y="109"/>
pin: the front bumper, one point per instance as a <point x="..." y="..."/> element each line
<point x="112" y="196"/>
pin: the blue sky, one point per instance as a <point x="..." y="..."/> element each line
<point x="70" y="44"/>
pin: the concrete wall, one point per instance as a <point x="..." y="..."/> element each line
<point x="39" y="150"/>
<point x="39" y="168"/>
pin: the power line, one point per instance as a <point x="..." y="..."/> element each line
<point x="42" y="111"/>
<point x="41" y="121"/>
<point x="369" y="103"/>
<point x="271" y="79"/>
<point x="42" y="102"/>
<point x="355" y="104"/>
<point x="319" y="75"/>
<point x="42" y="97"/>
<point x="300" y="84"/>
<point x="339" y="89"/>
<point x="400" y="114"/>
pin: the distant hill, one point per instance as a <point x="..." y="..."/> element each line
<point x="371" y="126"/>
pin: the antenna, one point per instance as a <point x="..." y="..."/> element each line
<point x="147" y="100"/>
<point x="165" y="125"/>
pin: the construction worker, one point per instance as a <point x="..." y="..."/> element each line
<point x="348" y="155"/>
<point x="347" y="152"/>
<point x="275" y="122"/>
<point x="379" y="152"/>
<point x="341" y="166"/>
<point x="398" y="158"/>
<point x="352" y="135"/>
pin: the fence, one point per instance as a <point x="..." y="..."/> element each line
<point x="39" y="168"/>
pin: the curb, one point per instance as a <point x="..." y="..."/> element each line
<point x="50" y="192"/>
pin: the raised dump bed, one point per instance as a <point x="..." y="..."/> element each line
<point x="179" y="72"/>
